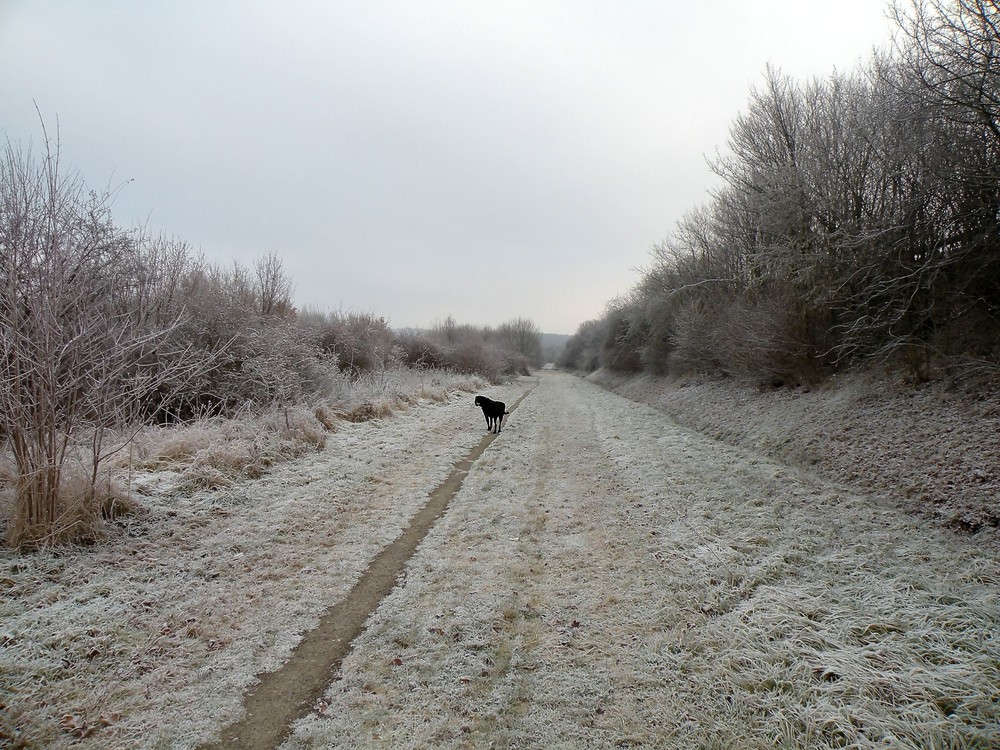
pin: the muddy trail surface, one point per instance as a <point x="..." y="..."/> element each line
<point x="600" y="578"/>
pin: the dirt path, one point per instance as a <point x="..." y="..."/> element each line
<point x="291" y="692"/>
<point x="152" y="639"/>
<point x="606" y="579"/>
<point x="602" y="578"/>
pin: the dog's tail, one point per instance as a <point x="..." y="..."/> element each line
<point x="506" y="412"/>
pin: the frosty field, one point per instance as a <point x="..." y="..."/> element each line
<point x="603" y="578"/>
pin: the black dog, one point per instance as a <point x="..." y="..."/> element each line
<point x="494" y="412"/>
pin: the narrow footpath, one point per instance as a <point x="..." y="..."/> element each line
<point x="604" y="578"/>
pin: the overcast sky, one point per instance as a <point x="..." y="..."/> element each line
<point x="413" y="159"/>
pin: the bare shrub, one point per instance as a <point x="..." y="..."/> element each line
<point x="494" y="354"/>
<point x="766" y="338"/>
<point x="359" y="342"/>
<point x="253" y="357"/>
<point x="477" y="357"/>
<point x="583" y="351"/>
<point x="522" y="338"/>
<point x="692" y="349"/>
<point x="417" y="350"/>
<point x="79" y="352"/>
<point x="624" y="337"/>
<point x="659" y="340"/>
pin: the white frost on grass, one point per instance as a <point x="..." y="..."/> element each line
<point x="603" y="579"/>
<point x="149" y="639"/>
<point x="932" y="448"/>
<point x="607" y="579"/>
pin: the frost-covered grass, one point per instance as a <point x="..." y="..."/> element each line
<point x="149" y="638"/>
<point x="603" y="579"/>
<point x="217" y="452"/>
<point x="606" y="579"/>
<point x="933" y="448"/>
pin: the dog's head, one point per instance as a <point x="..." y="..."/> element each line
<point x="480" y="400"/>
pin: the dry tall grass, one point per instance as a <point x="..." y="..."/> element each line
<point x="83" y="506"/>
<point x="217" y="452"/>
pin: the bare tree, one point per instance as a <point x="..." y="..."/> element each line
<point x="273" y="286"/>
<point x="858" y="221"/>
<point x="951" y="53"/>
<point x="77" y="353"/>
<point x="953" y="49"/>
<point x="522" y="336"/>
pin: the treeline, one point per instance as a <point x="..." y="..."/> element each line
<point x="252" y="348"/>
<point x="858" y="223"/>
<point x="103" y="329"/>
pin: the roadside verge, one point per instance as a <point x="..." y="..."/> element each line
<point x="931" y="449"/>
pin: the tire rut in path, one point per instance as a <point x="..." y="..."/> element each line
<point x="289" y="693"/>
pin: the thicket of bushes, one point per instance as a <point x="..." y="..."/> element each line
<point x="859" y="223"/>
<point x="104" y="329"/>
<point x="511" y="349"/>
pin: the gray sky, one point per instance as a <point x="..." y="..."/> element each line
<point x="413" y="159"/>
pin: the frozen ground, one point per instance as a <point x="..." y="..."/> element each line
<point x="603" y="578"/>
<point x="933" y="449"/>
<point x="148" y="640"/>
